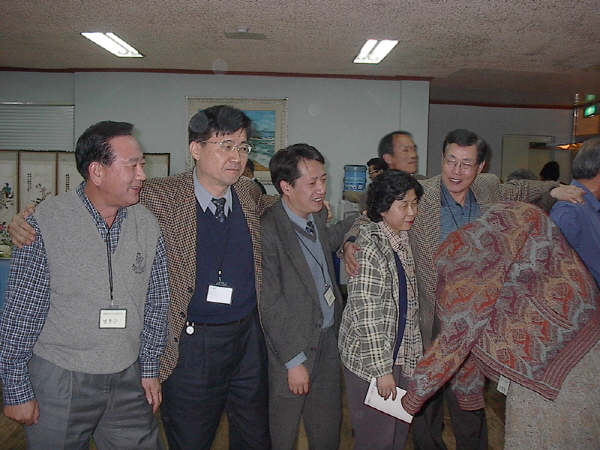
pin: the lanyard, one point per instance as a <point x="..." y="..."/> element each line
<point x="316" y="260"/>
<point x="110" y="273"/>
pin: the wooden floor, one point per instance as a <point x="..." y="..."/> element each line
<point x="12" y="436"/>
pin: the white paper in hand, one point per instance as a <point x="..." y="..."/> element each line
<point x="392" y="407"/>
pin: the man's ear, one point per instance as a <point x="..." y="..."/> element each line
<point x="387" y="158"/>
<point x="195" y="150"/>
<point x="96" y="172"/>
<point x="481" y="167"/>
<point x="285" y="187"/>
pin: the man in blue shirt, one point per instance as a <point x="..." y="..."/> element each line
<point x="300" y="303"/>
<point x="580" y="223"/>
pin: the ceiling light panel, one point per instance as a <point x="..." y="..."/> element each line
<point x="114" y="44"/>
<point x="374" y="51"/>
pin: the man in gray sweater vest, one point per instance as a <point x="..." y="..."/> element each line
<point x="85" y="317"/>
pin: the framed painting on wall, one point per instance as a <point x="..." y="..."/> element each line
<point x="269" y="119"/>
<point x="9" y="161"/>
<point x="68" y="177"/>
<point x="37" y="177"/>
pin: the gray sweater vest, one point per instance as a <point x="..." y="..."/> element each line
<point x="79" y="285"/>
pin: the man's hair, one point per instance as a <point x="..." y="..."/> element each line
<point x="386" y="143"/>
<point x="466" y="138"/>
<point x="388" y="187"/>
<point x="550" y="171"/>
<point x="586" y="164"/>
<point x="94" y="144"/>
<point x="250" y="165"/>
<point x="284" y="163"/>
<point x="218" y="120"/>
<point x="378" y="163"/>
<point x="521" y="174"/>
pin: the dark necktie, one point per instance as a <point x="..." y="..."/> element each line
<point x="220" y="211"/>
<point x="310" y="227"/>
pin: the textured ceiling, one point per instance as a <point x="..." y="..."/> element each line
<point x="533" y="52"/>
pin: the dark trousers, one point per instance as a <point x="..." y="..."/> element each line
<point x="320" y="409"/>
<point x="373" y="429"/>
<point x="220" y="369"/>
<point x="470" y="427"/>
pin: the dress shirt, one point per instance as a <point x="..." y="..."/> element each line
<point x="28" y="301"/>
<point x="453" y="215"/>
<point x="580" y="223"/>
<point x="205" y="198"/>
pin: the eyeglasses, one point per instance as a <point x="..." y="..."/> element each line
<point x="462" y="166"/>
<point x="228" y="146"/>
<point x="371" y="172"/>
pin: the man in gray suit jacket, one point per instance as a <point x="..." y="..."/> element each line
<point x="300" y="303"/>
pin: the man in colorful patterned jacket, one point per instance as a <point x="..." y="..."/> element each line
<point x="450" y="200"/>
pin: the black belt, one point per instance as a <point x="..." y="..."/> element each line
<point x="191" y="326"/>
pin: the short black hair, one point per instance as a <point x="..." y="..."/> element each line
<point x="94" y="144"/>
<point x="284" y="163"/>
<point x="386" y="143"/>
<point x="378" y="163"/>
<point x="550" y="171"/>
<point x="250" y="165"/>
<point x="218" y="120"/>
<point x="388" y="187"/>
<point x="466" y="138"/>
<point x="586" y="164"/>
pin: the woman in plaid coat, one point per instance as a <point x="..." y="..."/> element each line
<point x="379" y="334"/>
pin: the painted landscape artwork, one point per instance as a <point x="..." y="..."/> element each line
<point x="263" y="142"/>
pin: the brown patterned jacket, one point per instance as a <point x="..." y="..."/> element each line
<point x="173" y="202"/>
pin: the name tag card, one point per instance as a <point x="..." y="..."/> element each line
<point x="329" y="296"/>
<point x="219" y="294"/>
<point x="503" y="385"/>
<point x="113" y="318"/>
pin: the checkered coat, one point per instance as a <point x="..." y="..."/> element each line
<point x="173" y="202"/>
<point x="369" y="326"/>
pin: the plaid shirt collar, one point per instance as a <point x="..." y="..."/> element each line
<point x="98" y="219"/>
<point x="398" y="241"/>
<point x="101" y="224"/>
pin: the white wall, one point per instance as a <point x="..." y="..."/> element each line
<point x="491" y="124"/>
<point x="412" y="111"/>
<point x="343" y="118"/>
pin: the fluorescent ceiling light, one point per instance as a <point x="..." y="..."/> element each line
<point x="113" y="44"/>
<point x="374" y="51"/>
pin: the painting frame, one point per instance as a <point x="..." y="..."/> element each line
<point x="274" y="113"/>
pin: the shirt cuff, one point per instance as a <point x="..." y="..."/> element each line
<point x="295" y="361"/>
<point x="149" y="368"/>
<point x="17" y="394"/>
